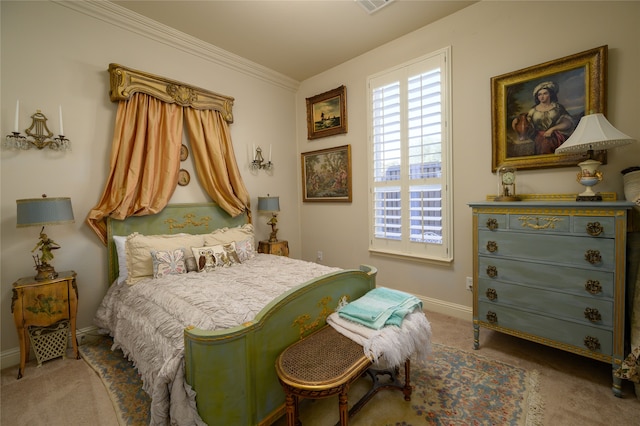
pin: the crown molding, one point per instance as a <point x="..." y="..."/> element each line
<point x="128" y="20"/>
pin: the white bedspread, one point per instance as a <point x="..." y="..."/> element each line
<point x="147" y="320"/>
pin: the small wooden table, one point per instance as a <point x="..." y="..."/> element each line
<point x="279" y="248"/>
<point x="326" y="363"/>
<point x="43" y="303"/>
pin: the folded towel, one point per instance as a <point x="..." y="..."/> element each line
<point x="380" y="307"/>
<point x="389" y="347"/>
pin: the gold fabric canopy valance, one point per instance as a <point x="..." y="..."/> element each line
<point x="126" y="81"/>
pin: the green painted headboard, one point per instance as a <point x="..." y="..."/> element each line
<point x="197" y="218"/>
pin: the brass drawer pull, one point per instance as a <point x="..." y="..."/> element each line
<point x="593" y="256"/>
<point x="592" y="314"/>
<point x="492" y="224"/>
<point x="593" y="286"/>
<point x="594" y="229"/>
<point x="492" y="294"/>
<point x="592" y="343"/>
<point x="492" y="317"/>
<point x="492" y="271"/>
<point x="492" y="246"/>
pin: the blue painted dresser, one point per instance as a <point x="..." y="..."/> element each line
<point x="553" y="272"/>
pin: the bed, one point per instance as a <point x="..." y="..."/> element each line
<point x="231" y="369"/>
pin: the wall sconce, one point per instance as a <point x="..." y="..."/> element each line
<point x="270" y="205"/>
<point x="39" y="134"/>
<point x="258" y="161"/>
<point x="40" y="212"/>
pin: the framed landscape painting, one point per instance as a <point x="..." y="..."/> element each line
<point x="327" y="113"/>
<point x="534" y="110"/>
<point x="326" y="175"/>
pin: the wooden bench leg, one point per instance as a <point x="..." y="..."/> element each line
<point x="292" y="413"/>
<point x="407" y="380"/>
<point x="344" y="406"/>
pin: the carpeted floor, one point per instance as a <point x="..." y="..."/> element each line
<point x="453" y="386"/>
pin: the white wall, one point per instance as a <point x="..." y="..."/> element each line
<point x="487" y="39"/>
<point x="55" y="54"/>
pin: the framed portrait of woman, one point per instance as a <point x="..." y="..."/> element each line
<point x="534" y="110"/>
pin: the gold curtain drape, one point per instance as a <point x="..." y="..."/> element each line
<point x="215" y="160"/>
<point x="145" y="160"/>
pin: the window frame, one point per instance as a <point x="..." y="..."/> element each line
<point x="405" y="247"/>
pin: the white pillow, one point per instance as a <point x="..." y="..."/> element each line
<point x="229" y="235"/>
<point x="119" y="242"/>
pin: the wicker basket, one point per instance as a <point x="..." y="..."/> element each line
<point x="49" y="342"/>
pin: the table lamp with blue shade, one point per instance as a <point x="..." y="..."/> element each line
<point x="40" y="212"/>
<point x="594" y="132"/>
<point x="270" y="205"/>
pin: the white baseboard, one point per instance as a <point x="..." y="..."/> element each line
<point x="442" y="307"/>
<point x="11" y="357"/>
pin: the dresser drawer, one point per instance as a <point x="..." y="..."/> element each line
<point x="566" y="250"/>
<point x="583" y="282"/>
<point x="535" y="324"/>
<point x="540" y="223"/>
<point x="594" y="226"/>
<point x="556" y="304"/>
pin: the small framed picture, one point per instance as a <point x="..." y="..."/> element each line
<point x="184" y="152"/>
<point x="326" y="175"/>
<point x="327" y="113"/>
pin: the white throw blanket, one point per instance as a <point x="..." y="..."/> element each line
<point x="389" y="346"/>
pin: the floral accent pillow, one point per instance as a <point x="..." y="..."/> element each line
<point x="170" y="262"/>
<point x="246" y="249"/>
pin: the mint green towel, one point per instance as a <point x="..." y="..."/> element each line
<point x="380" y="307"/>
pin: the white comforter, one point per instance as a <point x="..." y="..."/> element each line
<point x="147" y="320"/>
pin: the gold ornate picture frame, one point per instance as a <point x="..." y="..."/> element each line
<point x="326" y="175"/>
<point x="327" y="113"/>
<point x="576" y="83"/>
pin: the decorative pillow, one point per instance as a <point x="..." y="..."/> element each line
<point x="119" y="242"/>
<point x="205" y="258"/>
<point x="246" y="249"/>
<point x="170" y="262"/>
<point x="228" y="256"/>
<point x="228" y="235"/>
<point x="138" y="251"/>
<point x="218" y="256"/>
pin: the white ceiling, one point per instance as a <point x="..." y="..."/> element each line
<point x="298" y="38"/>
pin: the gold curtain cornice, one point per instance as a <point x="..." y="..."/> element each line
<point x="126" y="81"/>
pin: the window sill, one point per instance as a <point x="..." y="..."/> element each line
<point x="411" y="257"/>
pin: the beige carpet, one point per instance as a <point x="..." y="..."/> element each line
<point x="576" y="390"/>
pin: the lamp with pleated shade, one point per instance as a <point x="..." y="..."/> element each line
<point x="594" y="132"/>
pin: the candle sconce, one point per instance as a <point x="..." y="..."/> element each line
<point x="258" y="161"/>
<point x="38" y="136"/>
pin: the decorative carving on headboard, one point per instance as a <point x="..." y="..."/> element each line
<point x="174" y="224"/>
<point x="126" y="81"/>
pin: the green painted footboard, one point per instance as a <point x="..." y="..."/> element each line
<point x="233" y="370"/>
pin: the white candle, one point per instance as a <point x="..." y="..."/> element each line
<point x="60" y="115"/>
<point x="15" y="123"/>
<point x="253" y="153"/>
<point x="269" y="152"/>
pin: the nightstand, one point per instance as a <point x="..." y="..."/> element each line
<point x="42" y="304"/>
<point x="279" y="248"/>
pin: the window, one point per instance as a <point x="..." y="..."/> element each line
<point x="410" y="167"/>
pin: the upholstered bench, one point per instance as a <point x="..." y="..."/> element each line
<point x="326" y="363"/>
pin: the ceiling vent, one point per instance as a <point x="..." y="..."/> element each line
<point x="372" y="6"/>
